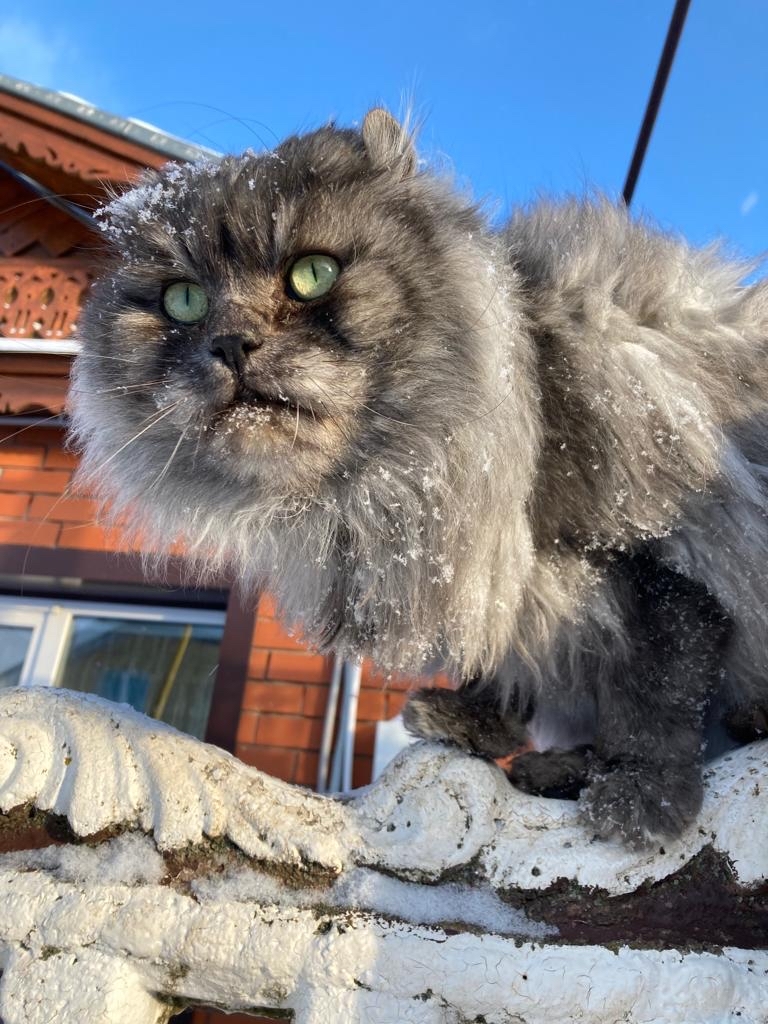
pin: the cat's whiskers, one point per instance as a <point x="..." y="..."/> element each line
<point x="60" y="384"/>
<point x="31" y="426"/>
<point x="130" y="387"/>
<point x="158" y="416"/>
<point x="85" y="356"/>
<point x="408" y="423"/>
<point x="65" y="386"/>
<point x="120" y="389"/>
<point x="330" y="403"/>
<point x="296" y="431"/>
<point x="43" y="199"/>
<point x="196" y="452"/>
<point x="369" y="408"/>
<point x="354" y="398"/>
<point x="171" y="457"/>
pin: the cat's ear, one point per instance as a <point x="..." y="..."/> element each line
<point x="388" y="143"/>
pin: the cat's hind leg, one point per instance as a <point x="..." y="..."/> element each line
<point x="646" y="771"/>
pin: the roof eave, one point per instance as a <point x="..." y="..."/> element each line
<point x="135" y="131"/>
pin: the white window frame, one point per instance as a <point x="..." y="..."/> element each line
<point x="52" y="621"/>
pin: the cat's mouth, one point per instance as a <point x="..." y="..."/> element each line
<point x="260" y="406"/>
<point x="279" y="402"/>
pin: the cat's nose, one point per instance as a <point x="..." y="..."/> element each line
<point x="233" y="350"/>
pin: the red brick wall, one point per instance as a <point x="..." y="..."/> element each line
<point x="38" y="505"/>
<point x="285" y="696"/>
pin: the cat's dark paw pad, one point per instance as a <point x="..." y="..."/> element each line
<point x="436" y="714"/>
<point x="560" y="774"/>
<point x="640" y="807"/>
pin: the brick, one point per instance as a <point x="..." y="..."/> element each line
<point x="287" y="698"/>
<point x="441" y="680"/>
<point x="306" y="768"/>
<point x="395" y="703"/>
<point x="246" y="727"/>
<point x="88" y="538"/>
<point x="20" y="531"/>
<point x="65" y="510"/>
<point x="21" y="455"/>
<point x="44" y="436"/>
<point x="289" y="731"/>
<point x="57" y="458"/>
<point x="315" y="701"/>
<point x="257" y="664"/>
<point x="269" y="633"/>
<point x="362" y="769"/>
<point x="38" y="481"/>
<point x="14" y="504"/>
<point x="267" y="607"/>
<point x="372" y="679"/>
<point x="402" y="683"/>
<point x="276" y="761"/>
<point x="365" y="736"/>
<point x="94" y="538"/>
<point x="300" y="668"/>
<point x="372" y="705"/>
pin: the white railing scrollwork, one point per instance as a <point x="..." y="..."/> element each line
<point x="145" y="871"/>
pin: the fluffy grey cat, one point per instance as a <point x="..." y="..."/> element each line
<point x="537" y="454"/>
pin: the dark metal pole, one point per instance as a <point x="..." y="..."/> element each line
<point x="78" y="212"/>
<point x="654" y="100"/>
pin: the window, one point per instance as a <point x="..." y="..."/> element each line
<point x="160" y="660"/>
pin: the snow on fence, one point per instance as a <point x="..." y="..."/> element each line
<point x="145" y="871"/>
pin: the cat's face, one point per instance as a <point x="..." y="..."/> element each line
<point x="280" y="318"/>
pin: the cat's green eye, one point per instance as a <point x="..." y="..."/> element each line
<point x="313" y="276"/>
<point x="185" y="301"/>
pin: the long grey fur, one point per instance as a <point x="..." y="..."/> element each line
<point x="537" y="454"/>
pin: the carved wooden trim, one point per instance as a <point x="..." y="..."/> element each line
<point x="71" y="145"/>
<point x="41" y="301"/>
<point x="64" y="154"/>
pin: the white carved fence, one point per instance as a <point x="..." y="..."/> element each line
<point x="439" y="894"/>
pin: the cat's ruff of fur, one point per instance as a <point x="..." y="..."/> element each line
<point x="505" y="420"/>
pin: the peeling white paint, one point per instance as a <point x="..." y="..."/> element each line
<point x="99" y="933"/>
<point x="101" y="764"/>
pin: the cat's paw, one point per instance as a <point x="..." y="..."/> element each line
<point x="641" y="805"/>
<point x="560" y="774"/>
<point x="747" y="723"/>
<point x="435" y="714"/>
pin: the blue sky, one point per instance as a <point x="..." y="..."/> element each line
<point x="517" y="97"/>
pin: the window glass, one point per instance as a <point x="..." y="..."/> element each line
<point x="14" y="642"/>
<point x="165" y="669"/>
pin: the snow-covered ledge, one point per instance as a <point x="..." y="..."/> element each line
<point x="151" y="872"/>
